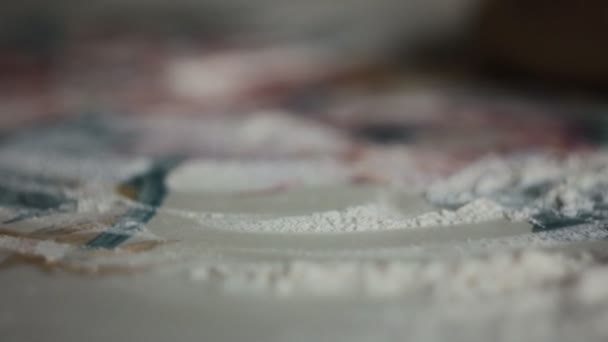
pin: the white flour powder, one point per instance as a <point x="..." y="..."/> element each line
<point x="494" y="188"/>
<point x="374" y="217"/>
<point x="568" y="185"/>
<point x="498" y="274"/>
<point x="480" y="193"/>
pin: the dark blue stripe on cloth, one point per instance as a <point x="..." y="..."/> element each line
<point x="151" y="191"/>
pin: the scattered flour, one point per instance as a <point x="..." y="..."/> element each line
<point x="514" y="188"/>
<point x="569" y="185"/>
<point x="373" y="217"/>
<point x="357" y="218"/>
<point x="50" y="250"/>
<point x="498" y="274"/>
<point x="494" y="188"/>
<point x="508" y="268"/>
<point x="478" y="210"/>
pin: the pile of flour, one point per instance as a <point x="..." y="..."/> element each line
<point x="373" y="217"/>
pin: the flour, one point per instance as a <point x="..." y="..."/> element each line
<point x="570" y="185"/>
<point x="499" y="274"/>
<point x="478" y="210"/>
<point x="374" y="217"/>
<point x="568" y="199"/>
<point x="357" y="218"/>
<point x="515" y="188"/>
<point x="49" y="250"/>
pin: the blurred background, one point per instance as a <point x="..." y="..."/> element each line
<point x="361" y="26"/>
<point x="560" y="37"/>
<point x="192" y="55"/>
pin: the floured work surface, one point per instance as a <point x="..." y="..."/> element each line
<point x="400" y="213"/>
